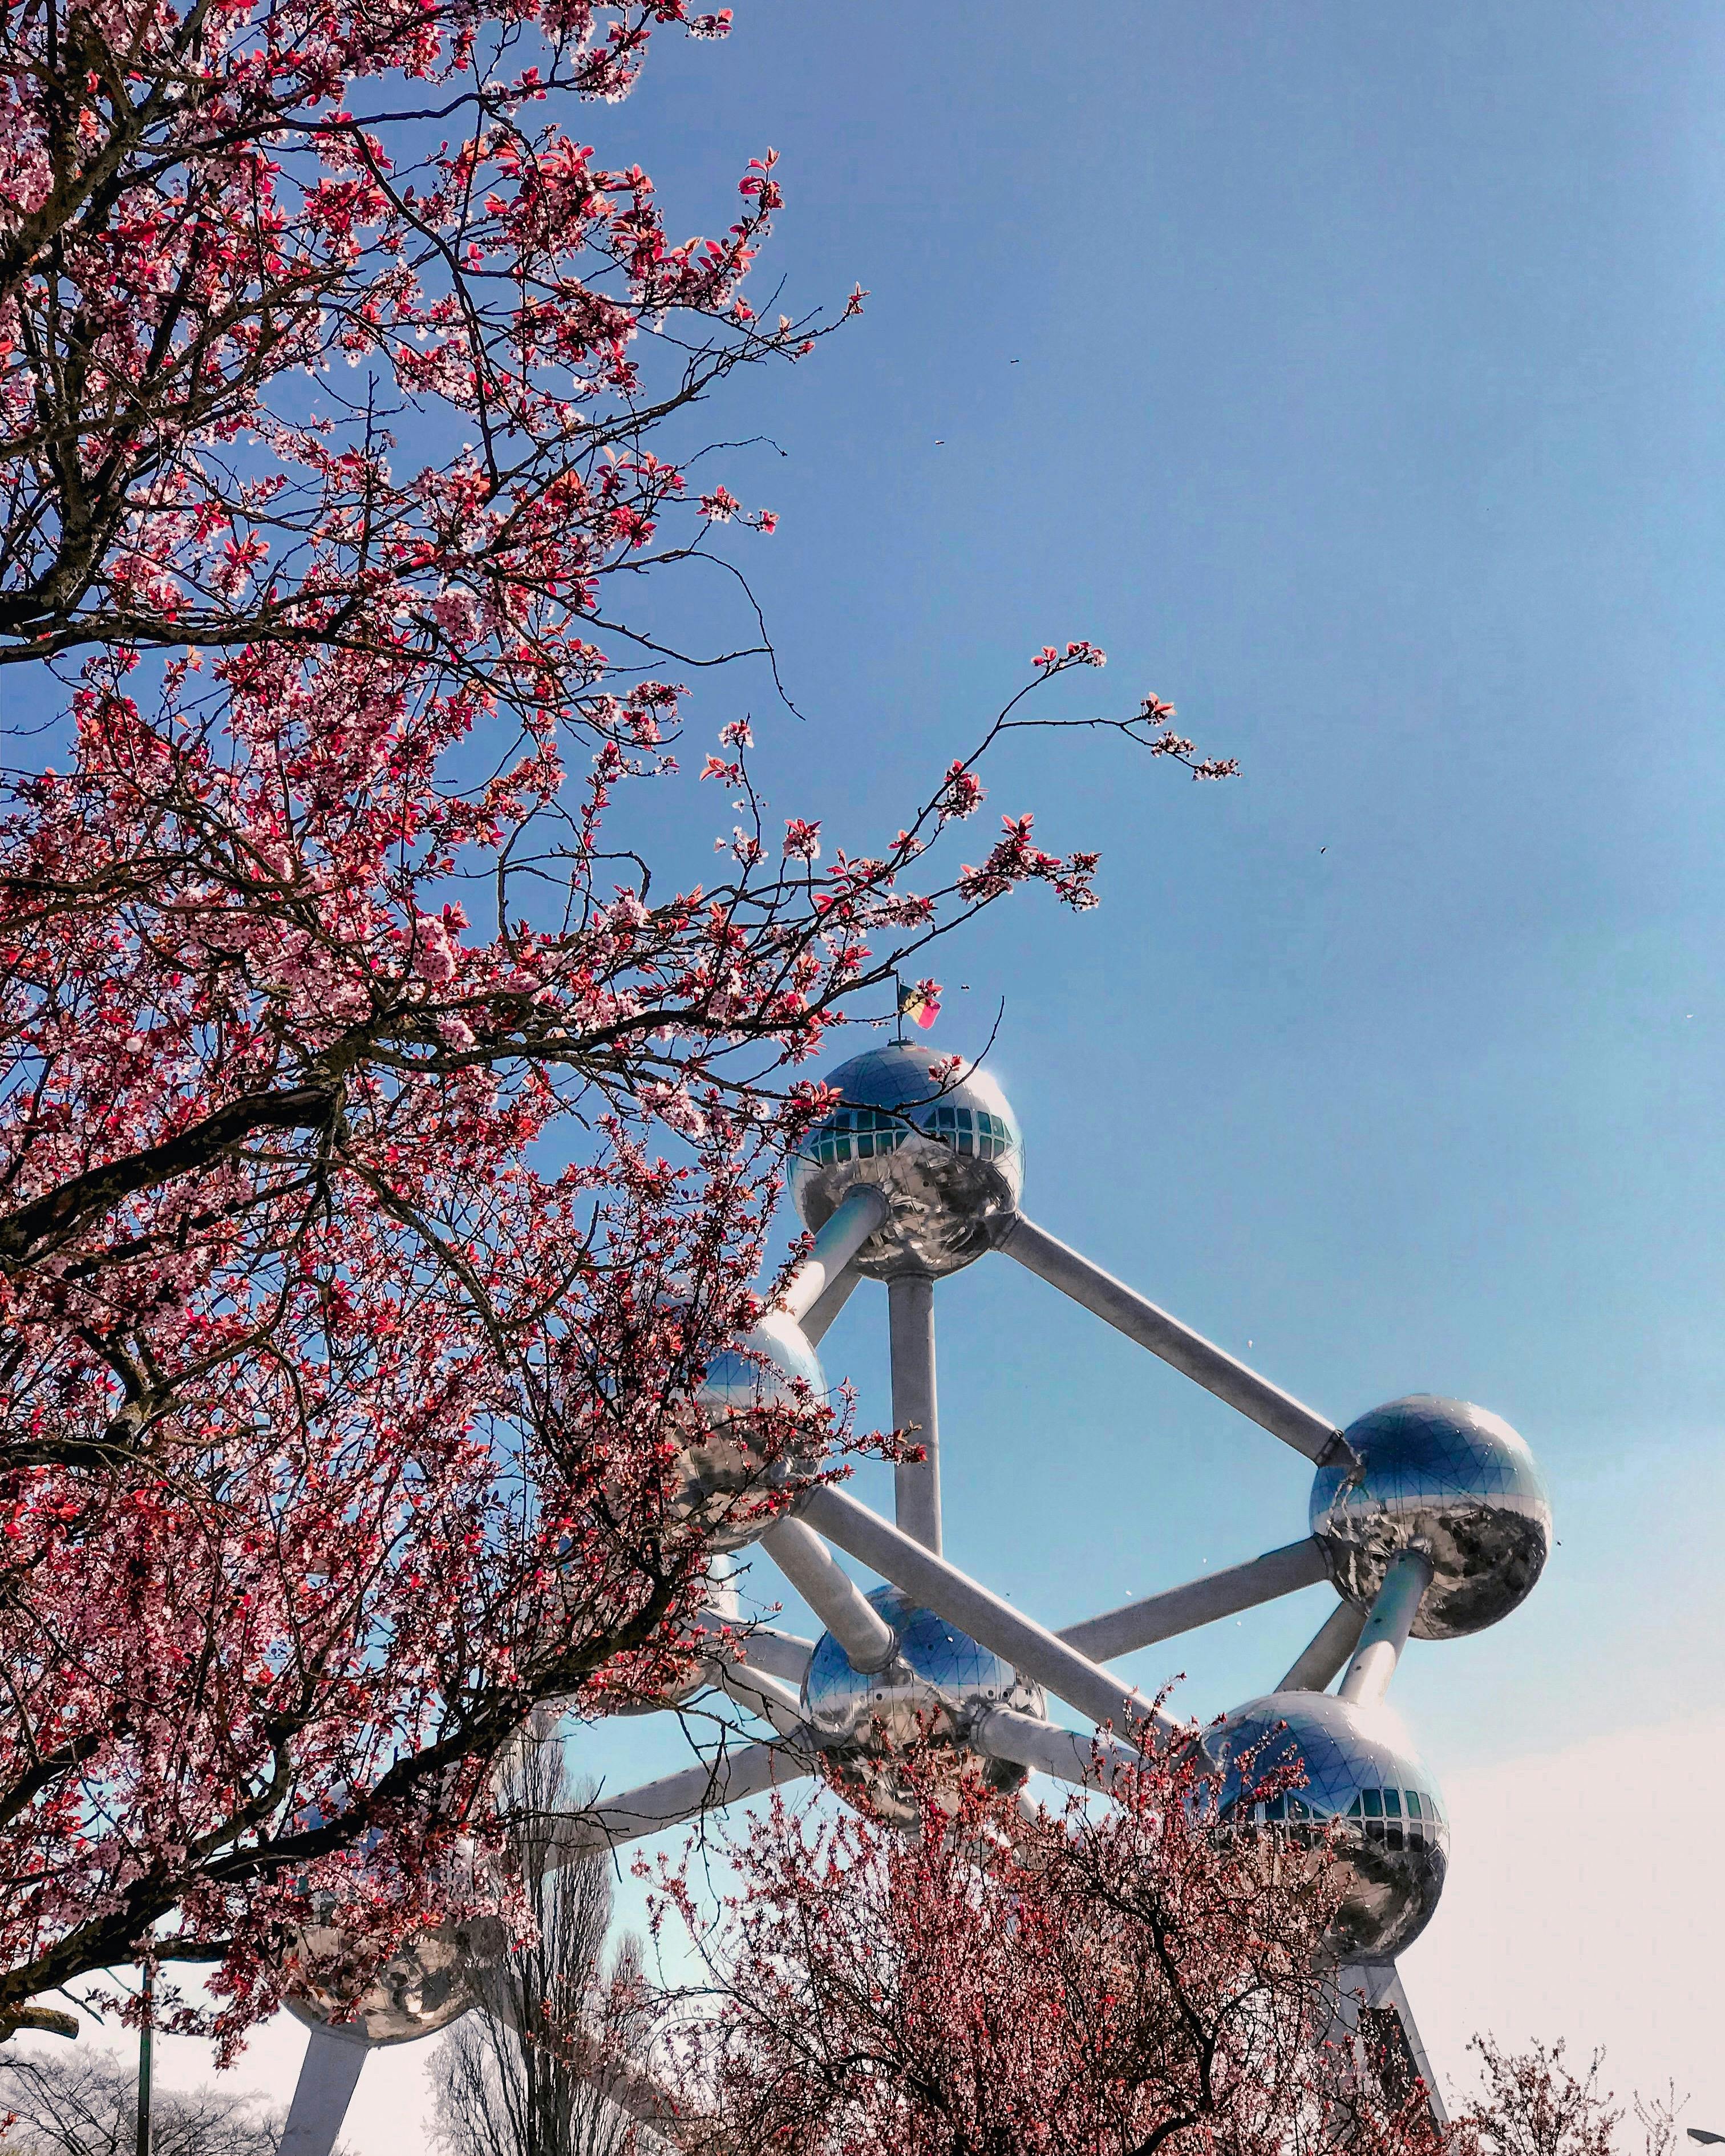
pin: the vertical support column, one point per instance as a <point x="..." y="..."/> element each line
<point x="917" y="1486"/>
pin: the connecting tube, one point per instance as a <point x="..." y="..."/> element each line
<point x="868" y="1641"/>
<point x="862" y="1211"/>
<point x="1386" y="1629"/>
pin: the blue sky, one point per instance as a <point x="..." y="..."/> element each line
<point x="1353" y="375"/>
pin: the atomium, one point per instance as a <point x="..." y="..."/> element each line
<point x="1354" y="1773"/>
<point x="1427" y="1520"/>
<point x="1451" y="1480"/>
<point x="946" y="1152"/>
<point x="934" y="1691"/>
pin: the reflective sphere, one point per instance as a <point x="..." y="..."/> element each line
<point x="933" y="1691"/>
<point x="1361" y="1769"/>
<point x="951" y="1159"/>
<point x="728" y="1462"/>
<point x="424" y="1987"/>
<point x="1447" y="1478"/>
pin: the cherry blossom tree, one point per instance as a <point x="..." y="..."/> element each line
<point x="387" y="1137"/>
<point x="1106" y="1976"/>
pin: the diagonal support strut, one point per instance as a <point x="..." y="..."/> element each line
<point x="993" y="1624"/>
<point x="1187" y="1352"/>
<point x="1200" y="1601"/>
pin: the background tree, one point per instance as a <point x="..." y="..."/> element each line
<point x="388" y="1132"/>
<point x="1530" y="2103"/>
<point x="72" y="2103"/>
<point x="516" y="2079"/>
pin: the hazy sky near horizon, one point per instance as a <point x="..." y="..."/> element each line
<point x="1353" y="375"/>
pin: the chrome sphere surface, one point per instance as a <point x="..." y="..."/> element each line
<point x="1447" y="1478"/>
<point x="744" y="1409"/>
<point x="949" y="1155"/>
<point x="424" y="1986"/>
<point x="935" y="1689"/>
<point x="1360" y="1769"/>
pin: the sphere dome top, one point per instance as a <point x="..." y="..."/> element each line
<point x="946" y="1150"/>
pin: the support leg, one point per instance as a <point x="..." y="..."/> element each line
<point x="329" y="2074"/>
<point x="917" y="1486"/>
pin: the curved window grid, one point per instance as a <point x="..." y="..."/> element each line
<point x="869" y="1133"/>
<point x="1398" y="1818"/>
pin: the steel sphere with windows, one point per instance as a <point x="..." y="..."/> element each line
<point x="1447" y="1478"/>
<point x="1356" y="1768"/>
<point x="948" y="1153"/>
<point x="740" y="1444"/>
<point x="934" y="1690"/>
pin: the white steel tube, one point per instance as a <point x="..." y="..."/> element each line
<point x="1199" y="1602"/>
<point x="992" y="1623"/>
<point x="863" y="1208"/>
<point x="675" y="1798"/>
<point x="329" y="2074"/>
<point x="1188" y="1351"/>
<point x="1385" y="1632"/>
<point x="767" y="1697"/>
<point x="1087" y="1761"/>
<point x="833" y="1299"/>
<point x="1325" y="1653"/>
<point x="868" y="1641"/>
<point x="779" y="1654"/>
<point x="916" y="1483"/>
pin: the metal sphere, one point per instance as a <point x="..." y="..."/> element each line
<point x="950" y="1157"/>
<point x="1362" y="1770"/>
<point x="937" y="1687"/>
<point x="1450" y="1479"/>
<point x="425" y="1985"/>
<point x="735" y="1450"/>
